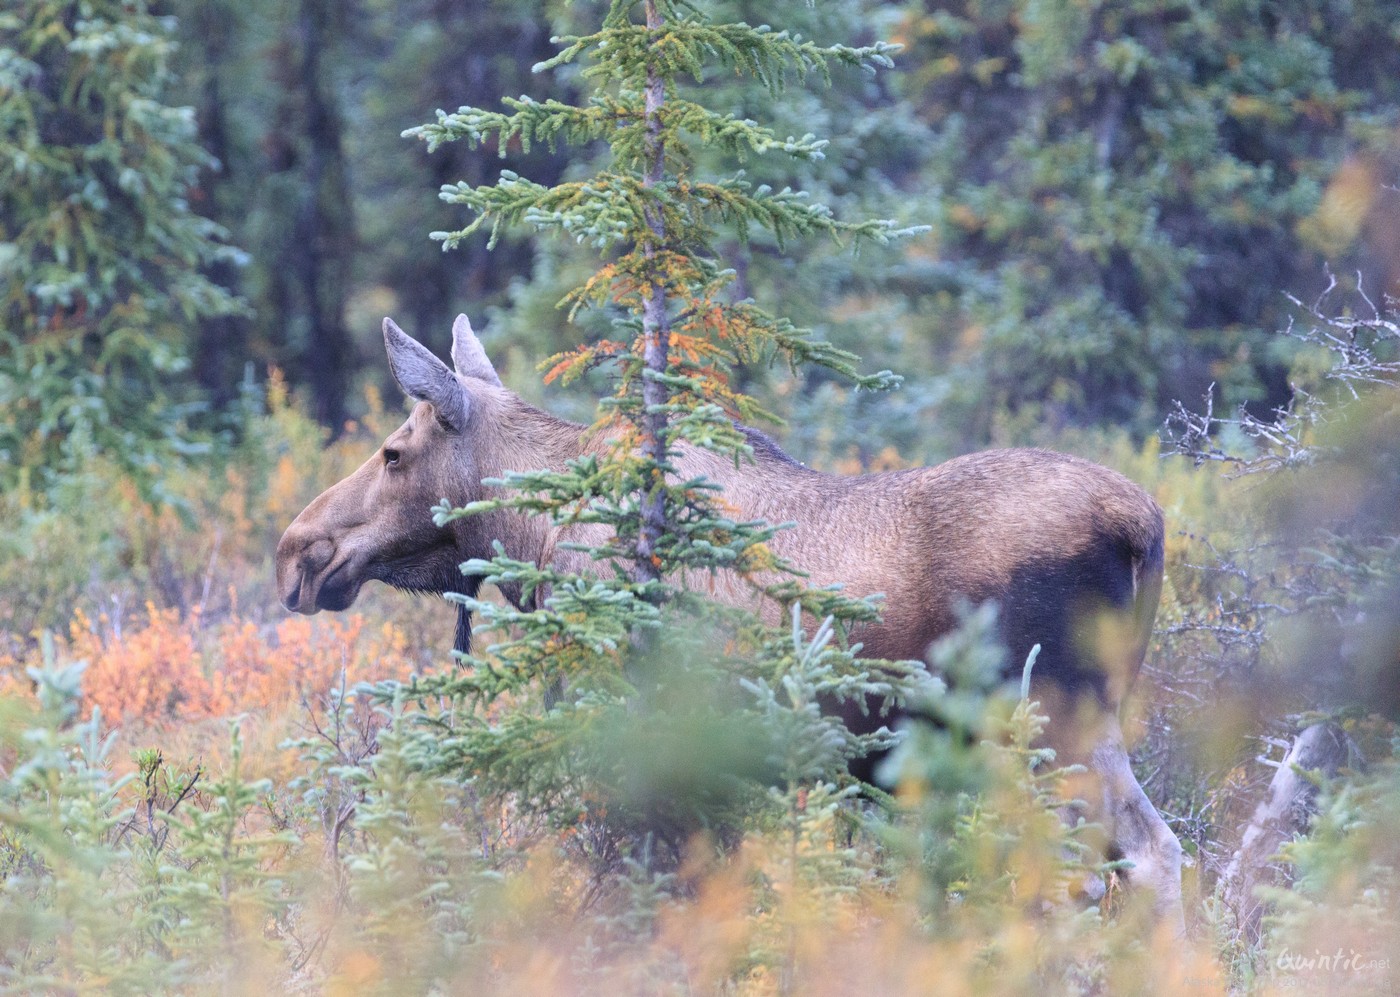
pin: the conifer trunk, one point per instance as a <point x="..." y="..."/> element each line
<point x="656" y="332"/>
<point x="322" y="238"/>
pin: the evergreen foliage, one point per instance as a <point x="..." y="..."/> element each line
<point x="1339" y="914"/>
<point x="411" y="871"/>
<point x="90" y="898"/>
<point x="1124" y="189"/>
<point x="58" y="811"/>
<point x="100" y="254"/>
<point x="644" y="656"/>
<point x="1244" y="145"/>
<point x="219" y="899"/>
<point x="989" y="804"/>
<point x="871" y="147"/>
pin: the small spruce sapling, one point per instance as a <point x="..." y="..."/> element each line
<point x="623" y="639"/>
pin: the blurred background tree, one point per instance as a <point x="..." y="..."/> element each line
<point x="1120" y="195"/>
<point x="302" y="105"/>
<point x="1123" y="190"/>
<point x="269" y="84"/>
<point x="100" y="253"/>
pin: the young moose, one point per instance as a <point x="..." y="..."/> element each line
<point x="1064" y="546"/>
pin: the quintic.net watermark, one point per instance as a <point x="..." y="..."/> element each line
<point x="1340" y="961"/>
<point x="1293" y="967"/>
<point x="1297" y="969"/>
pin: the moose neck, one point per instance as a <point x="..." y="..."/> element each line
<point x="508" y="434"/>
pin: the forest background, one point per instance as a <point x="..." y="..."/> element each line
<point x="1125" y="203"/>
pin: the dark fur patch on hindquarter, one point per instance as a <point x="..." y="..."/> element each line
<point x="1055" y="602"/>
<point x="1058" y="603"/>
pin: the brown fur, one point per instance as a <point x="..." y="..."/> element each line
<point x="1071" y="551"/>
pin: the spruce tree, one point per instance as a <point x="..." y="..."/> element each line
<point x="677" y="713"/>
<point x="100" y="255"/>
<point x="1124" y="190"/>
<point x="869" y="168"/>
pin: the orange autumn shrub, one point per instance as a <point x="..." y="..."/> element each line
<point x="152" y="672"/>
<point x="176" y="669"/>
<point x="14" y="683"/>
<point x="304" y="657"/>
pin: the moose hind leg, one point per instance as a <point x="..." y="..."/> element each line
<point x="1136" y="831"/>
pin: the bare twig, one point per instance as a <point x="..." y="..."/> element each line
<point x="209" y="575"/>
<point x="1363" y="350"/>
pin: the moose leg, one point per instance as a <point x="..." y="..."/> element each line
<point x="1136" y="831"/>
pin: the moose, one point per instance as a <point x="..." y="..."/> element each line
<point x="1072" y="552"/>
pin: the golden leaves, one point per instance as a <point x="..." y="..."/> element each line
<point x="1345" y="205"/>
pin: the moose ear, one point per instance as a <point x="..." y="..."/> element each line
<point x="425" y="377"/>
<point x="468" y="356"/>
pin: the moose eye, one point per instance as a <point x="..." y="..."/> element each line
<point x="391" y="458"/>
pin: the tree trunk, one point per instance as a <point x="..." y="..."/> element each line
<point x="1285" y="811"/>
<point x="656" y="331"/>
<point x="323" y="235"/>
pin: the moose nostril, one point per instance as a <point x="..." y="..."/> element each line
<point x="297" y="562"/>
<point x="318" y="555"/>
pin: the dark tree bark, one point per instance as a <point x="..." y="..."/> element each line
<point x="323" y="237"/>
<point x="221" y="346"/>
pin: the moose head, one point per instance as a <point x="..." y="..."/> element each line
<point x="377" y="524"/>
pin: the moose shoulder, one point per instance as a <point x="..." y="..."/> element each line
<point x="1070" y="550"/>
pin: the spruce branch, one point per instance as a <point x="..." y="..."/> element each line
<point x="683" y="47"/>
<point x="621" y="120"/>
